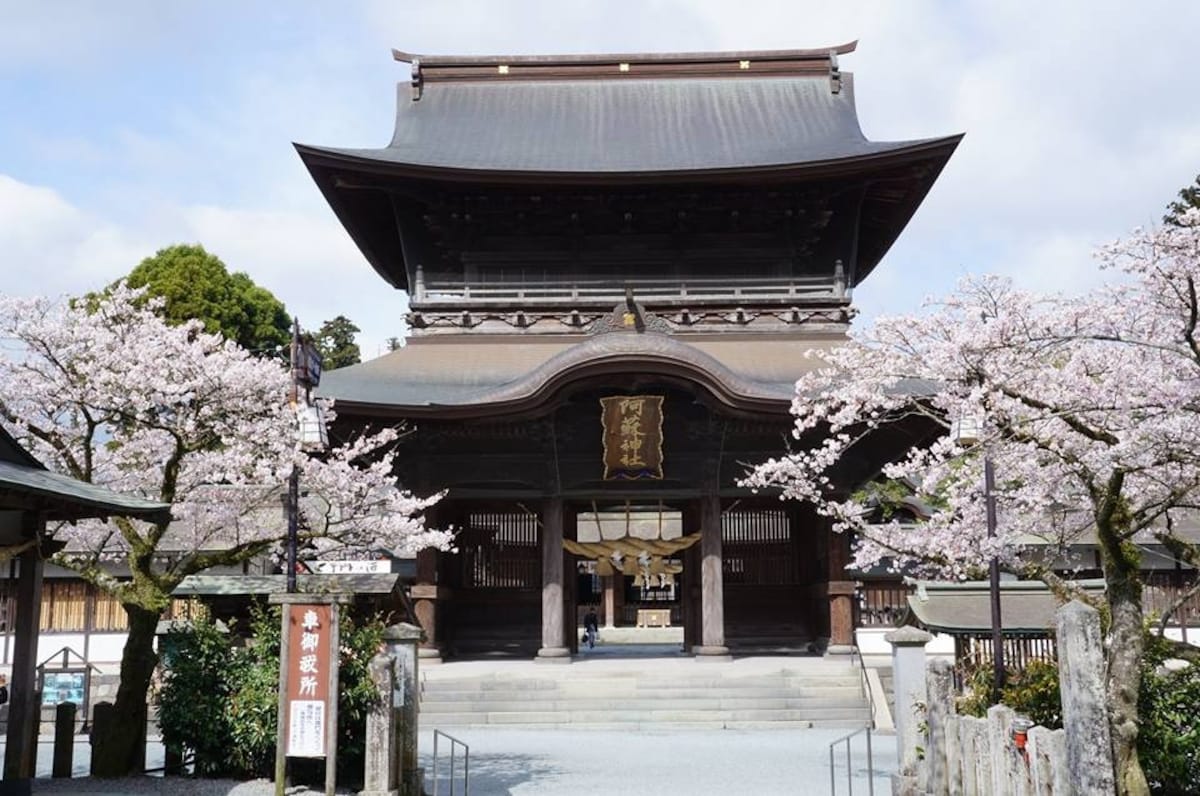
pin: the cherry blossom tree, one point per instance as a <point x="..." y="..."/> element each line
<point x="1087" y="406"/>
<point x="107" y="392"/>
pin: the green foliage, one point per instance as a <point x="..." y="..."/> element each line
<point x="196" y="284"/>
<point x="1189" y="197"/>
<point x="195" y="694"/>
<point x="1169" y="733"/>
<point x="1168" y="707"/>
<point x="1031" y="692"/>
<point x="335" y="341"/>
<point x="221" y="701"/>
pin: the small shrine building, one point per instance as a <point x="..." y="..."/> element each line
<point x="615" y="265"/>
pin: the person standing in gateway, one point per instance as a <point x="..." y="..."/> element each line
<point x="590" y="627"/>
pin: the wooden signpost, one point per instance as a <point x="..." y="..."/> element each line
<point x="308" y="683"/>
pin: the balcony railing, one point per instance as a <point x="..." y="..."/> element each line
<point x="437" y="294"/>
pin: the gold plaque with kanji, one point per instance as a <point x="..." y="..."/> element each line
<point x="632" y="436"/>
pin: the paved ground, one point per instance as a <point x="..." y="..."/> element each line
<point x="587" y="763"/>
<point x="677" y="763"/>
<point x="519" y="762"/>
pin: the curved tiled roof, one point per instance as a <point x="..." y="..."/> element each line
<point x="630" y="127"/>
<point x="497" y="374"/>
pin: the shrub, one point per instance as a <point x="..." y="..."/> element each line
<point x="1169" y="734"/>
<point x="1031" y="692"/>
<point x="221" y="701"/>
<point x="194" y="697"/>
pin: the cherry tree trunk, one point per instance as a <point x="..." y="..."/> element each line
<point x="1125" y="649"/>
<point x="121" y="750"/>
<point x="1125" y="645"/>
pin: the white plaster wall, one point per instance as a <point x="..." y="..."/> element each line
<point x="106" y="647"/>
<point x="870" y="642"/>
<point x="50" y="643"/>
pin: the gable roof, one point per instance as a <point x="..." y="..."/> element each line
<point x="25" y="483"/>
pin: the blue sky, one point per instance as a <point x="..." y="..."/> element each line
<point x="128" y="126"/>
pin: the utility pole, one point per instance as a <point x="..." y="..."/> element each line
<point x="989" y="497"/>
<point x="310" y="433"/>
<point x="293" y="505"/>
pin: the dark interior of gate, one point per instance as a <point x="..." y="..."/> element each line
<point x="774" y="559"/>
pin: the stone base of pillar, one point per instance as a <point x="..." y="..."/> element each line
<point x="839" y="649"/>
<point x="379" y="793"/>
<point x="553" y="655"/>
<point x="709" y="654"/>
<point x="429" y="656"/>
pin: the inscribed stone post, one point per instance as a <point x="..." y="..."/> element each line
<point x="1084" y="709"/>
<point x="1000" y="719"/>
<point x="982" y="755"/>
<point x="1041" y="766"/>
<point x="940" y="687"/>
<point x="402" y="640"/>
<point x="966" y="756"/>
<point x="379" y="767"/>
<point x="954" y="783"/>
<point x="908" y="673"/>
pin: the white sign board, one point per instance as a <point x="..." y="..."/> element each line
<point x="306" y="728"/>
<point x="350" y="567"/>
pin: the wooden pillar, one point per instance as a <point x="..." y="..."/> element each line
<point x="553" y="640"/>
<point x="427" y="595"/>
<point x="712" y="584"/>
<point x="841" y="596"/>
<point x="24" y="710"/>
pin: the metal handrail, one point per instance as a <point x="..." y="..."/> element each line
<point x="454" y="743"/>
<point x="849" y="768"/>
<point x="855" y="652"/>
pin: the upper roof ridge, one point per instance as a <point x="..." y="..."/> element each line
<point x="742" y="63"/>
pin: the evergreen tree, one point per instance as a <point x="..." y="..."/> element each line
<point x="335" y="341"/>
<point x="1189" y="198"/>
<point x="195" y="284"/>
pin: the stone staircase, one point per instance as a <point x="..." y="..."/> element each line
<point x="667" y="693"/>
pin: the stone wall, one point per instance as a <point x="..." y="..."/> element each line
<point x="1002" y="755"/>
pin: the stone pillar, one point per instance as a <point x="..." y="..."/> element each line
<point x="841" y="616"/>
<point x="553" y="641"/>
<point x="1006" y="776"/>
<point x="911" y="695"/>
<point x="380" y="764"/>
<point x="1084" y="712"/>
<point x="24" y="708"/>
<point x="402" y="641"/>
<point x="977" y="763"/>
<point x="1047" y="750"/>
<point x="712" y="583"/>
<point x="939" y="685"/>
<point x="426" y="596"/>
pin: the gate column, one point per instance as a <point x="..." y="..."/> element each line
<point x="553" y="647"/>
<point x="712" y="584"/>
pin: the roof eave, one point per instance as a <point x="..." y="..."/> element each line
<point x="359" y="160"/>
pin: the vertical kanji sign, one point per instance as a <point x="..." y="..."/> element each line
<point x="632" y="436"/>
<point x="310" y="639"/>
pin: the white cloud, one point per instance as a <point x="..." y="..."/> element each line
<point x="48" y="246"/>
<point x="1079" y="125"/>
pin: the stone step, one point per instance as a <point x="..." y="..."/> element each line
<point x="647" y="719"/>
<point x="676" y="693"/>
<point x="715" y="703"/>
<point x="446" y="693"/>
<point x="644" y="684"/>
